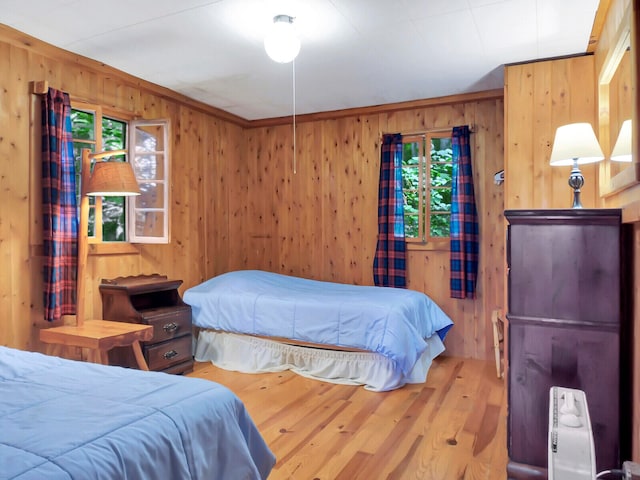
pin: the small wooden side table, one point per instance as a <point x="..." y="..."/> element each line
<point x="151" y="300"/>
<point x="100" y="336"/>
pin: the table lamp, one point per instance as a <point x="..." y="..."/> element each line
<point x="575" y="144"/>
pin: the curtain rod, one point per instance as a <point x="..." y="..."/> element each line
<point x="431" y="130"/>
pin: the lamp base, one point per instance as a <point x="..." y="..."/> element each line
<point x="576" y="181"/>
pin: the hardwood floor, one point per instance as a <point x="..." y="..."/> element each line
<point x="451" y="427"/>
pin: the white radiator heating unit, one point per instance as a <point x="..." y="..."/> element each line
<point x="571" y="449"/>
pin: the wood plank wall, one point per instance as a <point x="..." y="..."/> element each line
<point x="236" y="201"/>
<point x="540" y="97"/>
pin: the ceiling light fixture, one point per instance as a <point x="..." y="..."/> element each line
<point x="281" y="43"/>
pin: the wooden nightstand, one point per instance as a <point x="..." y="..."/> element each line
<point x="151" y="300"/>
<point x="100" y="336"/>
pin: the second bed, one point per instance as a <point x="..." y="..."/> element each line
<point x="256" y="321"/>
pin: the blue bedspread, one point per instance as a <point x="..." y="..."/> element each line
<point x="62" y="419"/>
<point x="390" y="321"/>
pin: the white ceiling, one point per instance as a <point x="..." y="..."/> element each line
<point x="354" y="52"/>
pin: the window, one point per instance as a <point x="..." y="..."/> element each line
<point x="142" y="219"/>
<point x="426" y="186"/>
<point x="150" y="159"/>
<point x="92" y="130"/>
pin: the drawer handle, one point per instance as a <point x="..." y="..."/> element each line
<point x="170" y="327"/>
<point x="170" y="354"/>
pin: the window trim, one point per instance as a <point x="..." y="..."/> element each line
<point x="166" y="208"/>
<point x="442" y="244"/>
<point x="100" y="112"/>
<point x="426" y="242"/>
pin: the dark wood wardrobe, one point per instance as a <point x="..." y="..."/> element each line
<point x="568" y="323"/>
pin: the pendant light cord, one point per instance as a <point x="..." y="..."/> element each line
<point x="294" y="114"/>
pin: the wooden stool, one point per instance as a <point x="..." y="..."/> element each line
<point x="100" y="336"/>
<point x="498" y="339"/>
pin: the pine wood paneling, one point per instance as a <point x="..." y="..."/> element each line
<point x="14" y="208"/>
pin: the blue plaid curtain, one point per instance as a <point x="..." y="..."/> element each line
<point x="59" y="207"/>
<point x="389" y="264"/>
<point x="464" y="219"/>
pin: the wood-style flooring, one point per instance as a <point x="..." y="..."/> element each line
<point x="451" y="427"/>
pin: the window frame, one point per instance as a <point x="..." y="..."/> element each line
<point x="132" y="206"/>
<point x="426" y="241"/>
<point x="99" y="113"/>
<point x="96" y="242"/>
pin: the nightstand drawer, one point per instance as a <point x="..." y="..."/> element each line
<point x="163" y="355"/>
<point x="168" y="322"/>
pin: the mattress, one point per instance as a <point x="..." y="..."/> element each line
<point x="63" y="419"/>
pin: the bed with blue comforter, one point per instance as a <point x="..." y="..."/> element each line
<point x="398" y="325"/>
<point x="64" y="419"/>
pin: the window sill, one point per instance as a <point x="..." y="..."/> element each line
<point x="432" y="246"/>
<point x="113" y="248"/>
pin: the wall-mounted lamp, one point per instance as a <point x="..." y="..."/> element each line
<point x="281" y="43"/>
<point x="107" y="179"/>
<point x="575" y="144"/>
<point x="622" y="149"/>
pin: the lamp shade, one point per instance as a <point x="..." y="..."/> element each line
<point x="112" y="179"/>
<point x="281" y="43"/>
<point x="622" y="149"/>
<point x="575" y="142"/>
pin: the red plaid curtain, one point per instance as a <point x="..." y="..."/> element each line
<point x="389" y="264"/>
<point x="464" y="219"/>
<point x="59" y="207"/>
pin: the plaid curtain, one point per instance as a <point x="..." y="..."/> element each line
<point x="464" y="219"/>
<point x="59" y="207"/>
<point x="389" y="264"/>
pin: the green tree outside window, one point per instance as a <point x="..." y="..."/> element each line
<point x="426" y="182"/>
<point x="111" y="135"/>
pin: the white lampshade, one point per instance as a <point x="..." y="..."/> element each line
<point x="575" y="142"/>
<point x="282" y="43"/>
<point x="622" y="150"/>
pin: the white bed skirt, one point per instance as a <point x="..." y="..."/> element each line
<point x="248" y="354"/>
